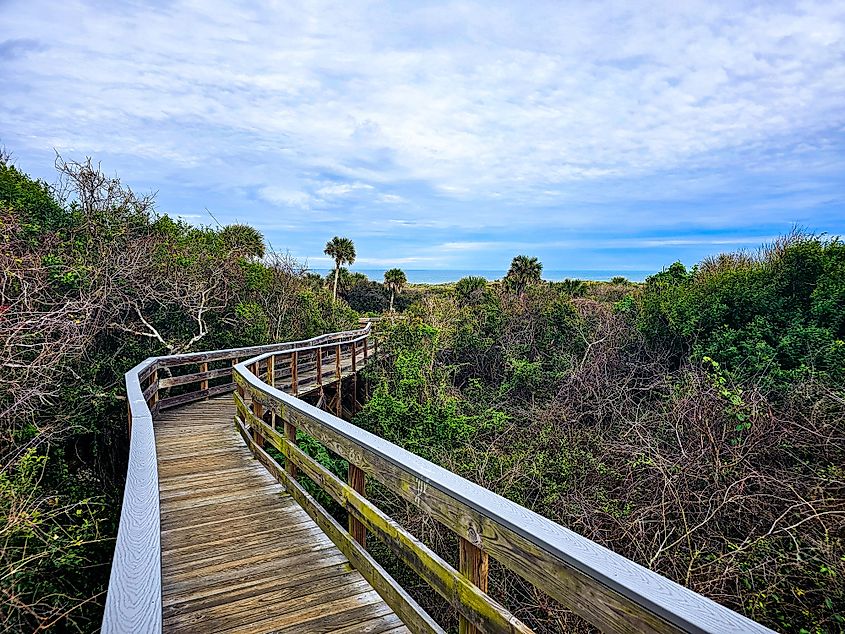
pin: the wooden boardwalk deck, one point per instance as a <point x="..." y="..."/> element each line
<point x="237" y="553"/>
<point x="210" y="542"/>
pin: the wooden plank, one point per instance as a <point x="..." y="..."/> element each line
<point x="330" y="564"/>
<point x="405" y="607"/>
<point x="459" y="590"/>
<point x="133" y="602"/>
<point x="182" y="399"/>
<point x="202" y="377"/>
<point x="312" y="578"/>
<point x="357" y="481"/>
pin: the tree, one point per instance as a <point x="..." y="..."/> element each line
<point x="524" y="271"/>
<point x="394" y="280"/>
<point x="243" y="240"/>
<point x="470" y="289"/>
<point x="342" y="250"/>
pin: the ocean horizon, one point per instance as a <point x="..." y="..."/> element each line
<point x="445" y="276"/>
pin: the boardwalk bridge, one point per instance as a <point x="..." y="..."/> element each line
<point x="218" y="534"/>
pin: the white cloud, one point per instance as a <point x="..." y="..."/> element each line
<point x="342" y="189"/>
<point x="470" y="114"/>
<point x="285" y="197"/>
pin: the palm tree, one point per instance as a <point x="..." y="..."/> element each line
<point x="342" y="250"/>
<point x="243" y="240"/>
<point x="470" y="289"/>
<point x="524" y="271"/>
<point x="394" y="280"/>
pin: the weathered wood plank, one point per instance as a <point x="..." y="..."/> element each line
<point x="190" y="397"/>
<point x="474" y="564"/>
<point x="133" y="602"/>
<point x="357" y="481"/>
<point x="459" y="590"/>
<point x="396" y="597"/>
<point x="201" y="377"/>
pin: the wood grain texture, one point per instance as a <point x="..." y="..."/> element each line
<point x="237" y="552"/>
<point x="474" y="564"/>
<point x="357" y="481"/>
<point x="456" y="588"/>
<point x="393" y="594"/>
<point x="133" y="602"/>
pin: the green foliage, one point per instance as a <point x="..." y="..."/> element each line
<point x="574" y="288"/>
<point x="699" y="412"/>
<point x="367" y="297"/>
<point x="394" y="281"/>
<point x="342" y="251"/>
<point x="92" y="287"/>
<point x="776" y="318"/>
<point x="524" y="272"/>
<point x="44" y="213"/>
<point x="470" y="289"/>
<point x="243" y="240"/>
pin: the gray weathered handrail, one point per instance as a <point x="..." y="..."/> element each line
<point x="133" y="602"/>
<point x="608" y="590"/>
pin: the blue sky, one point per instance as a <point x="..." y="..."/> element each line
<point x="600" y="135"/>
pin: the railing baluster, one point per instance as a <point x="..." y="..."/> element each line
<point x="294" y="363"/>
<point x="290" y="434"/>
<point x="474" y="564"/>
<point x="203" y="367"/>
<point x="338" y="406"/>
<point x="354" y="378"/>
<point x="357" y="479"/>
<point x="154" y="396"/>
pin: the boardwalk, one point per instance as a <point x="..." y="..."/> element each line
<point x="237" y="553"/>
<point x="218" y="534"/>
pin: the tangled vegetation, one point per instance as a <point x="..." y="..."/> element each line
<point x="93" y="282"/>
<point x="694" y="423"/>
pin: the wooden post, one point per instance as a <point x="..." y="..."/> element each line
<point x="271" y="371"/>
<point x="337" y="367"/>
<point x="357" y="480"/>
<point x="354" y="379"/>
<point x="294" y="362"/>
<point x="154" y="396"/>
<point x="204" y="383"/>
<point x="258" y="410"/>
<point x="319" y="366"/>
<point x="290" y="434"/>
<point x="474" y="565"/>
<point x="338" y="406"/>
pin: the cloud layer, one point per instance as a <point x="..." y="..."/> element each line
<point x="592" y="134"/>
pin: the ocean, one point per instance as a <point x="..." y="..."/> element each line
<point x="443" y="276"/>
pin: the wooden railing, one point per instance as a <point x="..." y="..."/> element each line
<point x="611" y="592"/>
<point x="133" y="602"/>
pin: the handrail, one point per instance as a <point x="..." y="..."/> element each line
<point x="613" y="593"/>
<point x="133" y="602"/>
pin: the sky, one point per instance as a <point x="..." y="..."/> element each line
<point x="448" y="135"/>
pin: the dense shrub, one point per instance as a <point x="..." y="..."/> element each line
<point x="91" y="285"/>
<point x="695" y="424"/>
<point x="773" y="318"/>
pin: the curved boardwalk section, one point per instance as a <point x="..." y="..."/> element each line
<point x="238" y="554"/>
